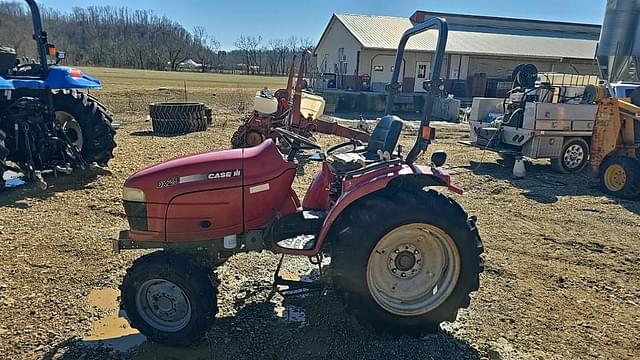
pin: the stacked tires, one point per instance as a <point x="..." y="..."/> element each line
<point x="179" y="118"/>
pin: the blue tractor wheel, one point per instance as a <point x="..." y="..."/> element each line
<point x="87" y="123"/>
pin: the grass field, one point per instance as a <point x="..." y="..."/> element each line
<point x="127" y="79"/>
<point x="128" y="91"/>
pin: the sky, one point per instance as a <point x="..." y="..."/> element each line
<point x="228" y="19"/>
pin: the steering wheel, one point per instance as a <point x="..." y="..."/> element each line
<point x="340" y="148"/>
<point x="296" y="140"/>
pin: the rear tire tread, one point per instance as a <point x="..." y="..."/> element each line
<point x="95" y="121"/>
<point x="368" y="217"/>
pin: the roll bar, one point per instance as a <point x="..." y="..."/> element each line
<point x="39" y="35"/>
<point x="432" y="86"/>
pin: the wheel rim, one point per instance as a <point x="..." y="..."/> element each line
<point x="413" y="269"/>
<point x="253" y="138"/>
<point x="615" y="177"/>
<point x="71" y="127"/>
<point x="163" y="305"/>
<point x="574" y="156"/>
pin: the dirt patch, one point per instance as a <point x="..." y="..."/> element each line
<point x="562" y="278"/>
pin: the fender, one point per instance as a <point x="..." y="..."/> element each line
<point x="396" y="176"/>
<point x="59" y="77"/>
<point x="5" y="84"/>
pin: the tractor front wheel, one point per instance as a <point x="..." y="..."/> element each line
<point x="620" y="177"/>
<point x="169" y="298"/>
<point x="406" y="261"/>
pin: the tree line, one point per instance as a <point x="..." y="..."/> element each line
<point x="122" y="37"/>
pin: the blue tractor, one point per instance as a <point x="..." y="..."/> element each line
<point x="47" y="124"/>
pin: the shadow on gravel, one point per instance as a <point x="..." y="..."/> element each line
<point x="14" y="197"/>
<point x="543" y="185"/>
<point x="318" y="329"/>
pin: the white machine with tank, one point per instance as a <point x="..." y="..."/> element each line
<point x="544" y="116"/>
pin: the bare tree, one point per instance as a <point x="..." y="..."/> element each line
<point x="206" y="47"/>
<point x="122" y="37"/>
<point x="249" y="45"/>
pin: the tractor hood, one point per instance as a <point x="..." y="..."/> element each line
<point x="5" y="84"/>
<point x="200" y="172"/>
<point x="60" y="77"/>
<point x="210" y="171"/>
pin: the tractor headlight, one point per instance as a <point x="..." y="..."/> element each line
<point x="133" y="194"/>
<point x="135" y="207"/>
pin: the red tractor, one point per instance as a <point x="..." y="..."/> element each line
<point x="404" y="257"/>
<point x="285" y="109"/>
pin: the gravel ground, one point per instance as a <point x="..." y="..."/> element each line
<point x="561" y="281"/>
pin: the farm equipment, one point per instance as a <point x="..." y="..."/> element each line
<point x="615" y="153"/>
<point x="615" y="150"/>
<point x="544" y="116"/>
<point x="291" y="108"/>
<point x="46" y="125"/>
<point x="405" y="258"/>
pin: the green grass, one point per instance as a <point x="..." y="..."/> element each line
<point x="131" y="91"/>
<point x="128" y="79"/>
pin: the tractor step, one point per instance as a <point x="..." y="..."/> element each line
<point x="298" y="243"/>
<point x="290" y="227"/>
<point x="286" y="287"/>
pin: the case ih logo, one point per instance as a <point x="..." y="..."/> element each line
<point x="219" y="175"/>
<point x="224" y="174"/>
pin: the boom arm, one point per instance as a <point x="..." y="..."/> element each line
<point x="297" y="93"/>
<point x="292" y="71"/>
<point x="432" y="86"/>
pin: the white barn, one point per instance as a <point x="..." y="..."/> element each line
<point x="357" y="51"/>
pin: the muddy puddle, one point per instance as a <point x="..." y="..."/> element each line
<point x="290" y="313"/>
<point x="112" y="331"/>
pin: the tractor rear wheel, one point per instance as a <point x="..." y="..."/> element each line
<point x="405" y="261"/>
<point x="245" y="137"/>
<point x="620" y="177"/>
<point x="169" y="298"/>
<point x="253" y="138"/>
<point x="87" y="123"/>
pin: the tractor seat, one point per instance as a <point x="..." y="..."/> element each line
<point x="385" y="137"/>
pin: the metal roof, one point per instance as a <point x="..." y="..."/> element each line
<point x="384" y="32"/>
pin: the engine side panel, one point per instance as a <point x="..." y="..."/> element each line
<point x="204" y="215"/>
